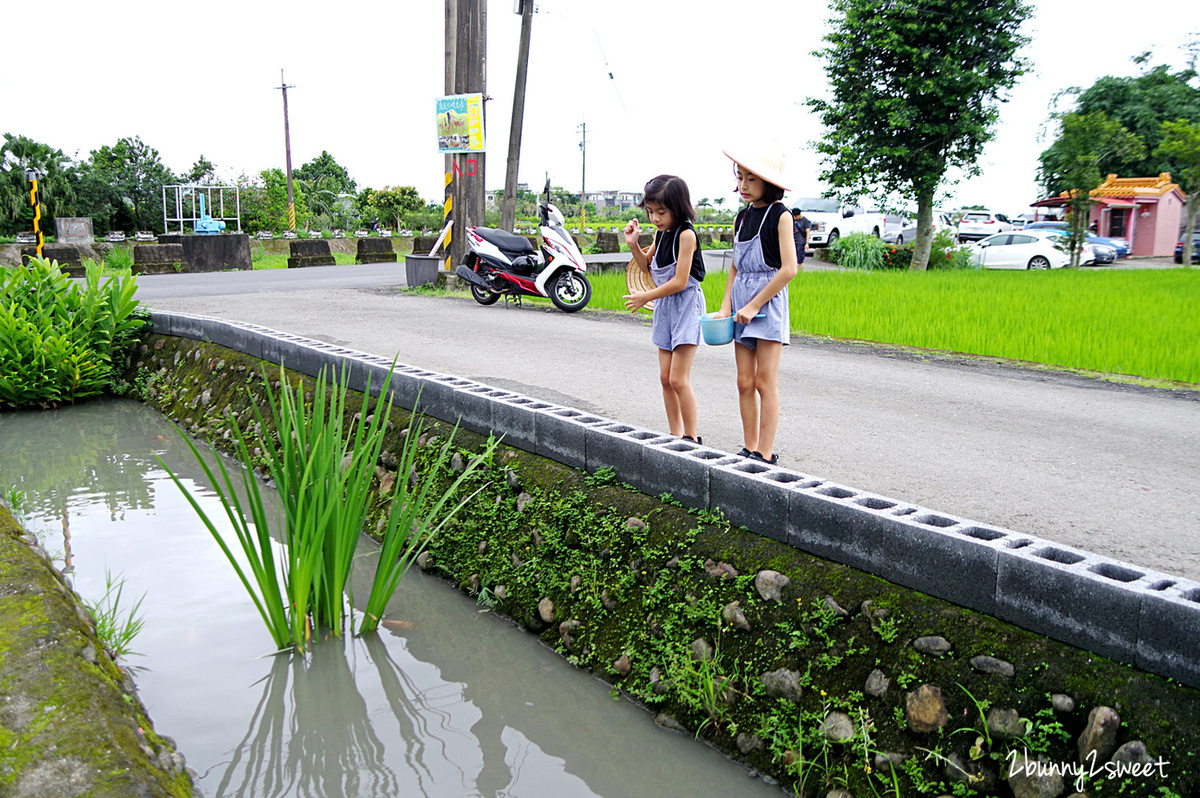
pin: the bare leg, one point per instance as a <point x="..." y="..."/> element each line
<point x="747" y="369"/>
<point x="681" y="383"/>
<point x="766" y="384"/>
<point x="670" y="398"/>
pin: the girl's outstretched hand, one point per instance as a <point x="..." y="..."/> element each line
<point x="637" y="299"/>
<point x="632" y="232"/>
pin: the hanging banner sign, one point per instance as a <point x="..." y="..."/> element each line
<point x="460" y="123"/>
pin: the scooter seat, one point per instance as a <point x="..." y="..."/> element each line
<point x="509" y="242"/>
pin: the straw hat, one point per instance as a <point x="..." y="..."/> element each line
<point x="638" y="280"/>
<point x="763" y="159"/>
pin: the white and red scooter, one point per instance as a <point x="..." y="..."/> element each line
<point x="503" y="264"/>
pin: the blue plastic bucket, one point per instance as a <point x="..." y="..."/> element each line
<point x="716" y="332"/>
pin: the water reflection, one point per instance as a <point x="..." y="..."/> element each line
<point x="444" y="701"/>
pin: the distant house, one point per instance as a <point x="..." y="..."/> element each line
<point x="1145" y="211"/>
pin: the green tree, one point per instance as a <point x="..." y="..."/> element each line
<point x="916" y="90"/>
<point x="1086" y="141"/>
<point x="329" y="173"/>
<point x="1180" y="147"/>
<point x="56" y="190"/>
<point x="393" y="204"/>
<point x="1140" y="104"/>
<point x="264" y="202"/>
<point x="203" y="171"/>
<point x="136" y="174"/>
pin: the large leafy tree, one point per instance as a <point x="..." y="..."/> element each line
<point x="1140" y="104"/>
<point x="136" y="174"/>
<point x="264" y="202"/>
<point x="327" y="172"/>
<point x="916" y="91"/>
<point x="1180" y="146"/>
<point x="56" y="188"/>
<point x="1086" y="141"/>
<point x="396" y="203"/>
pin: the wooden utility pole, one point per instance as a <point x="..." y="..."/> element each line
<point x="287" y="143"/>
<point x="466" y="73"/>
<point x="583" y="177"/>
<point x="508" y="214"/>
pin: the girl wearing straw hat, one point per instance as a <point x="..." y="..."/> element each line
<point x="756" y="293"/>
<point x="676" y="266"/>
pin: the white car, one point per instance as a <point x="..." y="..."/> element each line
<point x="980" y="224"/>
<point x="1019" y="251"/>
<point x="1093" y="254"/>
<point x="941" y="221"/>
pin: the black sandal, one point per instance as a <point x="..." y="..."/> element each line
<point x="696" y="440"/>
<point x="758" y="456"/>
<point x="745" y="453"/>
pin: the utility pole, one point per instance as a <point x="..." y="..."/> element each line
<point x="466" y="73"/>
<point x="583" y="178"/>
<point x="508" y="213"/>
<point x="287" y="143"/>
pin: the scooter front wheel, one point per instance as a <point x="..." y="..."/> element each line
<point x="570" y="290"/>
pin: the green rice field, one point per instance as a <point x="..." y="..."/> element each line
<point x="1141" y="323"/>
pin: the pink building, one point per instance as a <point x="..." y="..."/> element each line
<point x="1145" y="211"/>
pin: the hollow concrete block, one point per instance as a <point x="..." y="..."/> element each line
<point x="561" y="434"/>
<point x="679" y="468"/>
<point x="1050" y="589"/>
<point x="514" y="420"/>
<point x="752" y="494"/>
<point x="1169" y="629"/>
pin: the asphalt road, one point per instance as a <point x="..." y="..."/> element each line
<point x="1105" y="467"/>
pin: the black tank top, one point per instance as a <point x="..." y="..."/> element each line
<point x="747" y="222"/>
<point x="667" y="241"/>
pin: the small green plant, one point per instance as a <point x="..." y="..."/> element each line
<point x="601" y="478"/>
<point x="115" y="626"/>
<point x="704" y="686"/>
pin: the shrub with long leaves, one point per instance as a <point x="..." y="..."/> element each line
<point x="323" y="468"/>
<point x="58" y="336"/>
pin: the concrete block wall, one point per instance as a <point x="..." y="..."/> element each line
<point x="1115" y="609"/>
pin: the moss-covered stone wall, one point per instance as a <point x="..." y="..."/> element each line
<point x="70" y="720"/>
<point x="813" y="674"/>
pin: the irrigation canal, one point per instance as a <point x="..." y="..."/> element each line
<point x="445" y="701"/>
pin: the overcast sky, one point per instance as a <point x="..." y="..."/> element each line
<point x="200" y="78"/>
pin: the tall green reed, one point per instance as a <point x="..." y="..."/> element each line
<point x="323" y="464"/>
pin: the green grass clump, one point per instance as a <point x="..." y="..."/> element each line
<point x="1141" y="323"/>
<point x="323" y="459"/>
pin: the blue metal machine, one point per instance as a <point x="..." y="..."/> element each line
<point x="206" y="225"/>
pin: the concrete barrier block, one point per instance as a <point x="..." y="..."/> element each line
<point x="679" y="468"/>
<point x="440" y="397"/>
<point x="561" y="434"/>
<point x="607" y="445"/>
<point x="932" y="552"/>
<point x="1051" y="589"/>
<point x="752" y="494"/>
<point x="514" y="420"/>
<point x="1169" y="628"/>
<point x="474" y="407"/>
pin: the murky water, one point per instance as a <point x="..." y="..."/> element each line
<point x="445" y="701"/>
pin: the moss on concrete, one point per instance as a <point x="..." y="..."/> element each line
<point x="630" y="586"/>
<point x="70" y="722"/>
